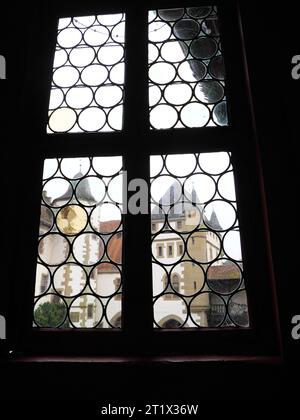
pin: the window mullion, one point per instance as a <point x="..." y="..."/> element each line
<point x="137" y="308"/>
<point x="136" y="87"/>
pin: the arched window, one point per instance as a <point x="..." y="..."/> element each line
<point x="176" y="283"/>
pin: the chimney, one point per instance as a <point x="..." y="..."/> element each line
<point x="194" y="196"/>
<point x="172" y="199"/>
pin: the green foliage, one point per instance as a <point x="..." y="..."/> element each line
<point x="51" y="314"/>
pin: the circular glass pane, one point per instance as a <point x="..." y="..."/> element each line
<point x="224" y="276"/>
<point x="115" y="189"/>
<point x="66" y="76"/>
<point x="54" y="249"/>
<point x="178" y="94"/>
<point x="109" y="20"/>
<point x="82" y="56"/>
<point x="220" y="114"/>
<point x="219" y="215"/>
<point x="166" y="190"/>
<point x="114" y="248"/>
<point x="92" y="119"/>
<point x="60" y="58"/>
<point x="69" y="280"/>
<point x="170" y="14"/>
<point x="157" y="214"/>
<point x="79" y="97"/>
<point x="88" y="248"/>
<point x="83" y="21"/>
<point x="162" y="73"/>
<point x="163" y="116"/>
<point x="211" y="26"/>
<point x="199" y="12"/>
<point x="170" y="243"/>
<point x="181" y="165"/>
<point x="186" y="29"/>
<point x="94" y="75"/>
<point x="153" y="53"/>
<point x="203" y="48"/>
<point x="159" y="276"/>
<point x="50" y="168"/>
<point x="57" y="192"/>
<point x="62" y="120"/>
<point x="106" y="218"/>
<point x="156" y="165"/>
<point x="191" y="277"/>
<point x="184" y="217"/>
<point x="75" y="168"/>
<point x="118" y="32"/>
<point x="96" y="37"/>
<point x="108" y="95"/>
<point x="232" y="245"/>
<point x="63" y="23"/>
<point x="42" y="279"/>
<point x="203" y="247"/>
<point x="238" y="309"/>
<point x="192" y="70"/>
<point x="69" y="38"/>
<point x="86" y="311"/>
<point x="108" y="165"/>
<point x="226" y="186"/>
<point x="46" y="220"/>
<point x="154" y="95"/>
<point x="178" y="307"/>
<point x="216" y="68"/>
<point x="105" y="279"/>
<point x="90" y="191"/>
<point x="113" y="312"/>
<point x="50" y="311"/>
<point x="194" y="115"/>
<point x="199" y="188"/>
<point x="209" y="91"/>
<point x="208" y="310"/>
<point x="172" y="51"/>
<point x="159" y="31"/>
<point x="71" y="219"/>
<point x="116" y="73"/>
<point x="115" y="117"/>
<point x="214" y="163"/>
<point x="109" y="55"/>
<point x="56" y="98"/>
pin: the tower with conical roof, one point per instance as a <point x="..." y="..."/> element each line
<point x="214" y="221"/>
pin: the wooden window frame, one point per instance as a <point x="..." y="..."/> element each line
<point x="136" y="143"/>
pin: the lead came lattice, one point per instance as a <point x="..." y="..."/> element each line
<point x="197" y="267"/>
<point x="79" y="266"/>
<point x="88" y="75"/>
<point x="186" y="69"/>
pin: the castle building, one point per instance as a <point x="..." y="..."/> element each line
<point x="84" y="271"/>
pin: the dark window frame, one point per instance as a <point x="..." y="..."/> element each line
<point x="137" y="336"/>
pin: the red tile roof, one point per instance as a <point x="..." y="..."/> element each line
<point x="114" y="246"/>
<point x="223" y="272"/>
<point x="109" y="226"/>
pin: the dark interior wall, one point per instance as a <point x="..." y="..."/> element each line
<point x="271" y="39"/>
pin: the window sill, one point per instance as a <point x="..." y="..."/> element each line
<point x="186" y="359"/>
